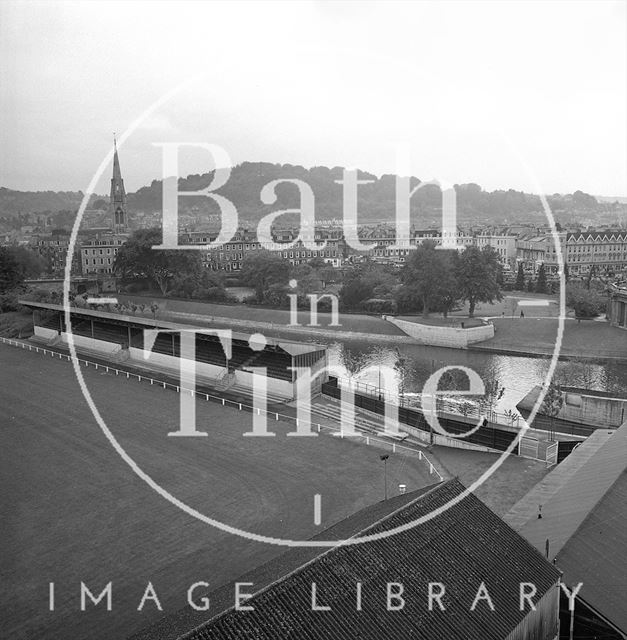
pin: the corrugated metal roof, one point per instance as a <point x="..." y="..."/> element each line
<point x="462" y="547"/>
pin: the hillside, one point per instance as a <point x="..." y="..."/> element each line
<point x="376" y="200"/>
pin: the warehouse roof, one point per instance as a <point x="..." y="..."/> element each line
<point x="463" y="546"/>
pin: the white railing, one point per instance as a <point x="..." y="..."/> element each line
<point x="319" y="427"/>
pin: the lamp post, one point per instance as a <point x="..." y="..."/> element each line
<point x="385" y="472"/>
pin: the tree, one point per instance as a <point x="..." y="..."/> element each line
<point x="499" y="275"/>
<point x="263" y="269"/>
<point x="591" y="274"/>
<point x="476" y="275"/>
<point x="137" y="259"/>
<point x="429" y="276"/>
<point x="494" y="390"/>
<point x="365" y="281"/>
<point x="541" y="281"/>
<point x="587" y="303"/>
<point x="307" y="278"/>
<point x="520" y="278"/>
<point x="552" y="404"/>
<point x="17" y="264"/>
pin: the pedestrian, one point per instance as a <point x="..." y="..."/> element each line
<point x="522" y="314"/>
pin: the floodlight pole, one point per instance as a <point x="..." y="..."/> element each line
<point x="385" y="473"/>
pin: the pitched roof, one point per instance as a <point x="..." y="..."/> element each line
<point x="596" y="555"/>
<point x="176" y="624"/>
<point x="585" y="522"/>
<point x="465" y="545"/>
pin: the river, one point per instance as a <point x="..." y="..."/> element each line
<point x="404" y="369"/>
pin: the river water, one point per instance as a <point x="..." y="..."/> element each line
<point x="404" y="370"/>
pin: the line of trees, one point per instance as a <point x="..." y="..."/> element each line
<point x="432" y="280"/>
<point x="540" y="285"/>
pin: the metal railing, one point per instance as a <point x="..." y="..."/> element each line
<point x="319" y="427"/>
<point x="466" y="409"/>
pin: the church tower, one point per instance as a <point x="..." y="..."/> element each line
<point x="118" y="196"/>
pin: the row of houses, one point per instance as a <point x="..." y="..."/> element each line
<point x="603" y="251"/>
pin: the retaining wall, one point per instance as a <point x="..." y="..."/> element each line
<point x="437" y="336"/>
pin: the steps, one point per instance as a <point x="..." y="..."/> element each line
<point x="225" y="381"/>
<point x="365" y="422"/>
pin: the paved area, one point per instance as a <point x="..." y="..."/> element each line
<point x="533" y="305"/>
<point x="507" y="484"/>
<point x="513" y="478"/>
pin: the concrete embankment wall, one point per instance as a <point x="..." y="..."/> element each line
<point x="437" y="336"/>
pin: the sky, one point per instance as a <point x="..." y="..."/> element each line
<point x="524" y="95"/>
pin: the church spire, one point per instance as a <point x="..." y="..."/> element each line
<point x="118" y="194"/>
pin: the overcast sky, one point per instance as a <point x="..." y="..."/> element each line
<point x="528" y="95"/>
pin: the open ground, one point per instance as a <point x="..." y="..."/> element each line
<point x="74" y="511"/>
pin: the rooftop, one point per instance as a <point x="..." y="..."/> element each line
<point x="293" y="348"/>
<point x="585" y="522"/>
<point x="465" y="545"/>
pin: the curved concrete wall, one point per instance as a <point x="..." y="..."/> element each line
<point x="436" y="336"/>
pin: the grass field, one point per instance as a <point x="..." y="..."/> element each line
<point x="585" y="339"/>
<point x="73" y="511"/>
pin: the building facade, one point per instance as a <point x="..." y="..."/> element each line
<point x="617" y="309"/>
<point x="99" y="252"/>
<point x="231" y="255"/>
<point x="503" y="245"/>
<point x="53" y="248"/>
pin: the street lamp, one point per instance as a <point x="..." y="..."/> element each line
<point x="385" y="472"/>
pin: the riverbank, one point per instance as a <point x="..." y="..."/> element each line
<point x="276" y="323"/>
<point x="536" y="337"/>
<point x="531" y="336"/>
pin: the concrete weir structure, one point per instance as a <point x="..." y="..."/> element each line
<point x="154" y="342"/>
<point x="443" y="336"/>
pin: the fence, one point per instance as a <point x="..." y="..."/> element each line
<point x="319" y="427"/>
<point x="551" y="454"/>
<point x="464" y="408"/>
<point x="528" y="447"/>
<point x="486" y="436"/>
